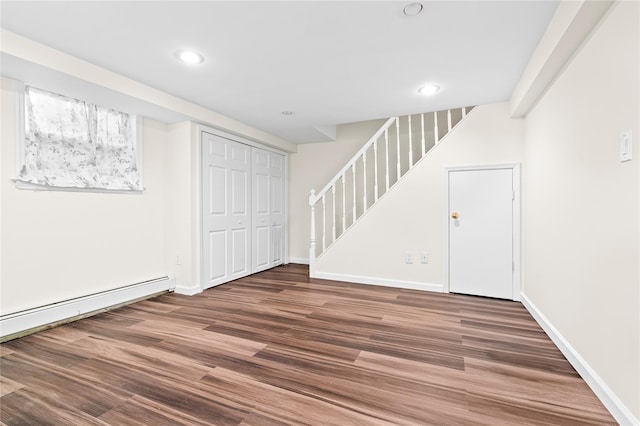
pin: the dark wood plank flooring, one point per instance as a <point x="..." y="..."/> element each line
<point x="278" y="348"/>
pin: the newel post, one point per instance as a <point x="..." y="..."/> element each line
<point x="312" y="239"/>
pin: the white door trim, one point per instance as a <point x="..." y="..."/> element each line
<point x="515" y="167"/>
<point x="236" y="138"/>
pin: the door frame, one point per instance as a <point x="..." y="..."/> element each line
<point x="197" y="162"/>
<point x="516" y="232"/>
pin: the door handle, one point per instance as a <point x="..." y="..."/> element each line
<point x="455" y="215"/>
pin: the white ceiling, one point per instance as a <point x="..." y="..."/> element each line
<point x="331" y="62"/>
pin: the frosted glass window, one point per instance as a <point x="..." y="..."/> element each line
<point x="69" y="143"/>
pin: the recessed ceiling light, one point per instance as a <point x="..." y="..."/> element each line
<point x="429" y="89"/>
<point x="412" y="9"/>
<point x="287" y="113"/>
<point x="190" y="57"/>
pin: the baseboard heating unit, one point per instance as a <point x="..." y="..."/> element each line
<point x="21" y="323"/>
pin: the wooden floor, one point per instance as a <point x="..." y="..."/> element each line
<point x="278" y="348"/>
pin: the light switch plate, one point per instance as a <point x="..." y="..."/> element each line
<point x="625" y="146"/>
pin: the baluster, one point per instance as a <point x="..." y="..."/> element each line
<point x="333" y="217"/>
<point x="410" y="142"/>
<point x="312" y="247"/>
<point x="464" y="112"/>
<point x="424" y="147"/>
<point x="386" y="155"/>
<point x="364" y="182"/>
<point x="375" y="171"/>
<point x="324" y="223"/>
<point x="435" y="128"/>
<point x="353" y="175"/>
<point x="398" y="147"/>
<point x="448" y="120"/>
<point x="344" y="202"/>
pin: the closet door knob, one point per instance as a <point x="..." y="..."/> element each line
<point x="455" y="215"/>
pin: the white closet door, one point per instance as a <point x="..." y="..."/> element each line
<point x="481" y="232"/>
<point x="276" y="173"/>
<point x="261" y="209"/>
<point x="226" y="201"/>
<point x="268" y="209"/>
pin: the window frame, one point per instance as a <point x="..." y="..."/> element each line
<point x="138" y="134"/>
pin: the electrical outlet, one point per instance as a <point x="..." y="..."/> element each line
<point x="408" y="257"/>
<point x="625" y="146"/>
<point x="424" y="257"/>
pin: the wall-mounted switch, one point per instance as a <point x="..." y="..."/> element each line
<point x="408" y="257"/>
<point x="424" y="257"/>
<point x="625" y="146"/>
<point x="177" y="259"/>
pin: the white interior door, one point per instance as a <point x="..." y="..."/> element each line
<point x="276" y="174"/>
<point x="481" y="239"/>
<point x="261" y="209"/>
<point x="268" y="209"/>
<point x="226" y="189"/>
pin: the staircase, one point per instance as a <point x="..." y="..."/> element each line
<point x="391" y="152"/>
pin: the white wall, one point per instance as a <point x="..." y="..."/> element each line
<point x="182" y="206"/>
<point x="177" y="205"/>
<point x="59" y="245"/>
<point x="581" y="205"/>
<point x="410" y="217"/>
<point x="312" y="167"/>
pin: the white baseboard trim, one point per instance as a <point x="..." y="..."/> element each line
<point x="187" y="291"/>
<point x="299" y="260"/>
<point x="40" y="317"/>
<point x="411" y="285"/>
<point x="597" y="385"/>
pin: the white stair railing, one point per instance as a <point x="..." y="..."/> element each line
<point x="389" y="154"/>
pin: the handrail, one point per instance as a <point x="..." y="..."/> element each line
<point x="361" y="187"/>
<point x="355" y="158"/>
